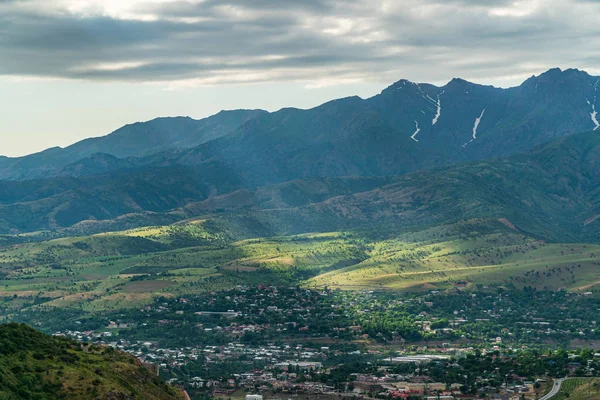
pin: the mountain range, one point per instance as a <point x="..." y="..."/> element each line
<point x="135" y="140"/>
<point x="411" y="155"/>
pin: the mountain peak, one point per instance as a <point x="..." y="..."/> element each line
<point x="459" y="82"/>
<point x="552" y="71"/>
<point x="557" y="82"/>
<point x="557" y="74"/>
<point x="401" y="84"/>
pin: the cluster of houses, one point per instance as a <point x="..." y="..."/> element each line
<point x="281" y="366"/>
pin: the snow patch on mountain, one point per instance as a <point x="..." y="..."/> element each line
<point x="413" y="137"/>
<point x="475" y="128"/>
<point x="401" y="84"/>
<point x="429" y="99"/>
<point x="594" y="115"/>
<point x="439" y="110"/>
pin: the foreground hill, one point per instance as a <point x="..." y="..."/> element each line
<point x="37" y="366"/>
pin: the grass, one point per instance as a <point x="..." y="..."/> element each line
<point x="145" y="286"/>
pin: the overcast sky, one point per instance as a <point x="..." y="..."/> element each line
<point x="71" y="69"/>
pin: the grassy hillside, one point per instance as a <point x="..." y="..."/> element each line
<point x="579" y="389"/>
<point x="37" y="366"/>
<point x="440" y="257"/>
<point x="130" y="268"/>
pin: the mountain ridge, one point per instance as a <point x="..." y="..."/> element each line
<point x="132" y="140"/>
<point x="407" y="126"/>
<point x="378" y="136"/>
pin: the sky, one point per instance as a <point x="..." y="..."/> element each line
<point x="71" y="69"/>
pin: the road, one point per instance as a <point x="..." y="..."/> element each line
<point x="555" y="389"/>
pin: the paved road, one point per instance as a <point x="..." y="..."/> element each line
<point x="555" y="389"/>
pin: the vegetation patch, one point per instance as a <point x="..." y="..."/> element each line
<point x="37" y="366"/>
<point x="145" y="286"/>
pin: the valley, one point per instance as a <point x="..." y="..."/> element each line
<point x="299" y="200"/>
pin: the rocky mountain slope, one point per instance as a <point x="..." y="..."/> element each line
<point x="408" y="127"/>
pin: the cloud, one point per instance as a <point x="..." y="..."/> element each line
<point x="318" y="41"/>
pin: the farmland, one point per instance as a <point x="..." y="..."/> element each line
<point x="129" y="268"/>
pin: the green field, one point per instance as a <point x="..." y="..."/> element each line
<point x="130" y="268"/>
<point x="440" y="257"/>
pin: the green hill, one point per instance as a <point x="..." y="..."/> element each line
<point x="37" y="366"/>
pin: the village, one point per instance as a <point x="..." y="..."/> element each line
<point x="276" y="370"/>
<point x="279" y="342"/>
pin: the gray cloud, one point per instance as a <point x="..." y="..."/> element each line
<point x="318" y="41"/>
